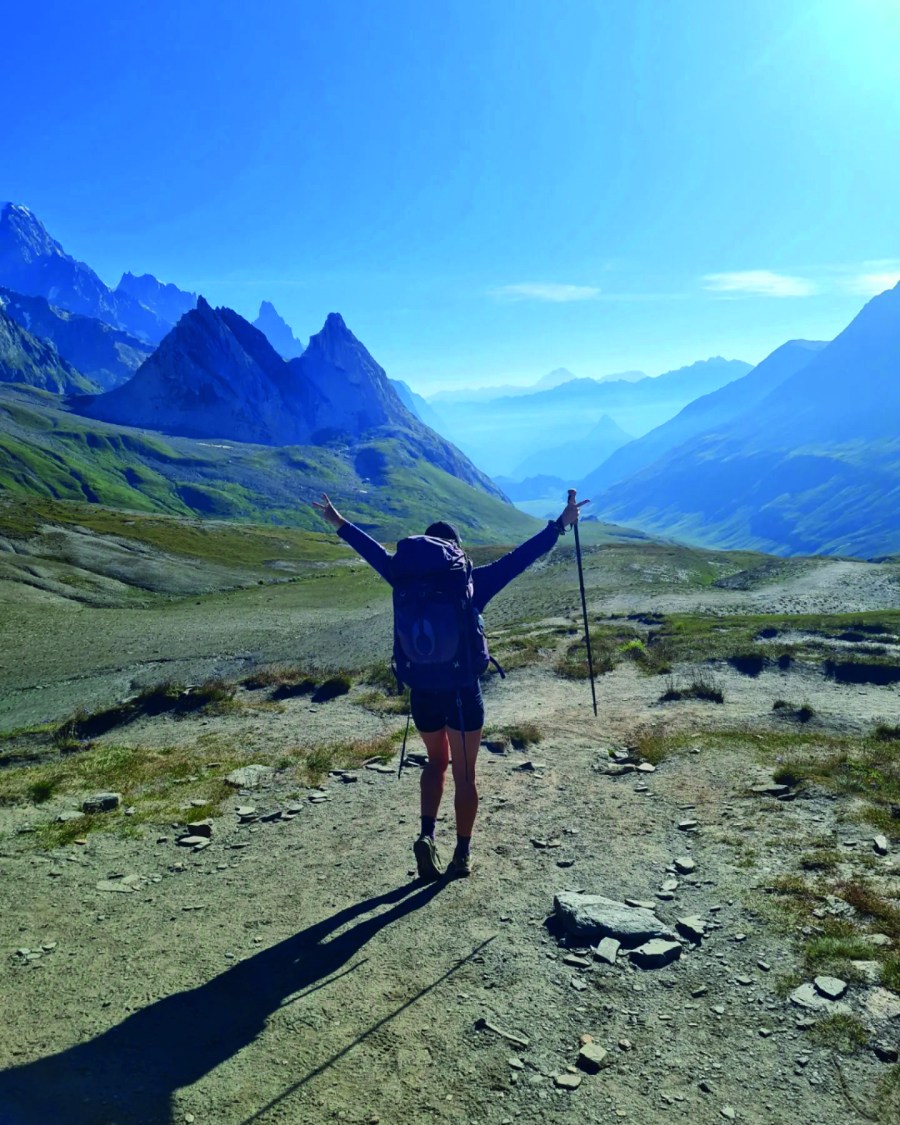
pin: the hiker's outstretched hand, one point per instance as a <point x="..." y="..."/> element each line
<point x="330" y="513"/>
<point x="570" y="512"/>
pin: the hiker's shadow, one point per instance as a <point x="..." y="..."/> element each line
<point x="129" y="1073"/>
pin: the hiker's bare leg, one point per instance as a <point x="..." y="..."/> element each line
<point x="432" y="780"/>
<point x="466" y="797"/>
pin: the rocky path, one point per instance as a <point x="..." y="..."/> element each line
<point x="292" y="970"/>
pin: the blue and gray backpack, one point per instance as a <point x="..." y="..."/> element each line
<point x="439" y="641"/>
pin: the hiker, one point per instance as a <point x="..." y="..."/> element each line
<point x="445" y="695"/>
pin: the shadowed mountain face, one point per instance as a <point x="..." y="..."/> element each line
<point x="26" y="359"/>
<point x="216" y="376"/>
<point x="168" y="301"/>
<point x="34" y="264"/>
<point x="703" y="414"/>
<point x="814" y="467"/>
<point x="100" y="352"/>
<point x="278" y="332"/>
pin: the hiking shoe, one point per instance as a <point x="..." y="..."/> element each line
<point x="428" y="862"/>
<point x="459" y="867"/>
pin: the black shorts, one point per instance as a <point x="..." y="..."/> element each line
<point x="434" y="710"/>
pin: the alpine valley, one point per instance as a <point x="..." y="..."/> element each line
<point x="147" y="399"/>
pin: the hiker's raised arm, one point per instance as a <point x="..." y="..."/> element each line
<point x="329" y="512"/>
<point x="569" y="514"/>
<point x="490" y="580"/>
<point x="364" y="545"/>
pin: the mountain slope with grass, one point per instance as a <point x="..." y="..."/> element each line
<point x="105" y="355"/>
<point x="380" y="482"/>
<point x="812" y="468"/>
<point x="32" y="362"/>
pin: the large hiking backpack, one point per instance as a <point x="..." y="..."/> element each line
<point x="439" y="641"/>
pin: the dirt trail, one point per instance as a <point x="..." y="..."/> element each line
<point x="294" y="972"/>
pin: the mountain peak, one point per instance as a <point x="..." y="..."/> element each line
<point x="339" y="346"/>
<point x="28" y="234"/>
<point x="277" y="331"/>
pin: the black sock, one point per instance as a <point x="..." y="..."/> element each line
<point x="428" y="823"/>
<point x="462" y="844"/>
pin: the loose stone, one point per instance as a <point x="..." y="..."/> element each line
<point x="607" y="950"/>
<point x="250" y="777"/>
<point x="568" y="1081"/>
<point x="692" y="927"/>
<point x="687" y="825"/>
<point x="200" y="828"/>
<point x="594" y="916"/>
<point x="880" y="843"/>
<point x="833" y="988"/>
<point x="655" y="954"/>
<point x="191" y="841"/>
<point x="684" y="865"/>
<point x="883" y="1004"/>
<point x="102" y="802"/>
<point x="592" y="1058"/>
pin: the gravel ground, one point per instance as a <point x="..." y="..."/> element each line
<point x="295" y="971"/>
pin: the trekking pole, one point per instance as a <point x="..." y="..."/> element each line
<point x="587" y="632"/>
<point x="403" y="750"/>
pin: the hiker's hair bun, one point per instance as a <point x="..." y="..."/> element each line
<point x="443" y="530"/>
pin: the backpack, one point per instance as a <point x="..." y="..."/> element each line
<point x="439" y="641"/>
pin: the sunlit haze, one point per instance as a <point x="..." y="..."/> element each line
<point x="485" y="192"/>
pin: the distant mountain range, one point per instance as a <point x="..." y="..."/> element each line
<point x="570" y="460"/>
<point x="812" y="466"/>
<point x="167" y="301"/>
<point x="555" y="378"/>
<point x="704" y="413"/>
<point x="798" y="455"/>
<point x="498" y="432"/>
<point x="278" y="332"/>
<point x="35" y="265"/>
<point x="164" y="360"/>
<point x="419" y="406"/>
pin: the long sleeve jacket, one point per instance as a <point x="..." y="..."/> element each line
<point x="486" y="580"/>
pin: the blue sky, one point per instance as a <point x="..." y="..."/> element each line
<point x="484" y="190"/>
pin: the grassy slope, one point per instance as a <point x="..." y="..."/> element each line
<point x="839" y="501"/>
<point x="47" y="453"/>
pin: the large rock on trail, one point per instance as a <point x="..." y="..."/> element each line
<point x="593" y="917"/>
